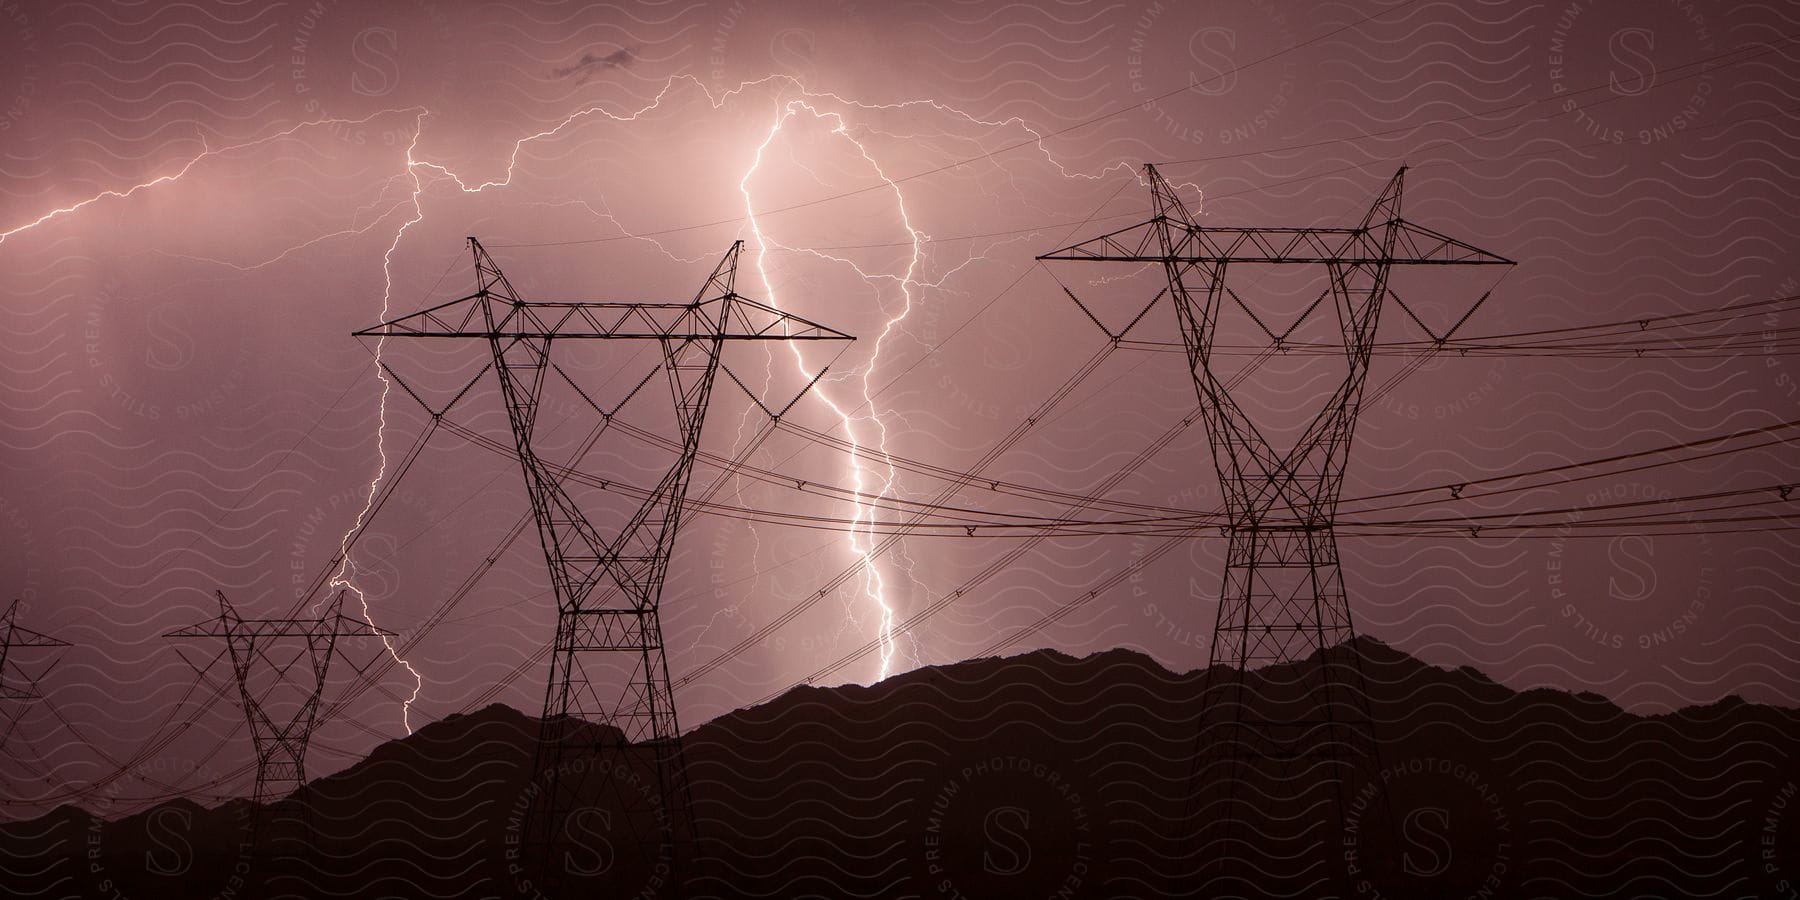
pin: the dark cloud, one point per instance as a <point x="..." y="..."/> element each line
<point x="590" y="63"/>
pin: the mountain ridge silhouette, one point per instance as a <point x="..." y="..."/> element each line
<point x="1036" y="774"/>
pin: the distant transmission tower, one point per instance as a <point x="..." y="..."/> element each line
<point x="1283" y="597"/>
<point x="21" y="686"/>
<point x="281" y="711"/>
<point x="608" y="589"/>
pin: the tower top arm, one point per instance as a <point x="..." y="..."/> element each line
<point x="1365" y="244"/>
<point x="1414" y="245"/>
<point x="14" y="635"/>
<point x="718" y="312"/>
<point x="228" y="624"/>
<point x="746" y="320"/>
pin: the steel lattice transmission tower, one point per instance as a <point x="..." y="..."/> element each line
<point x="608" y="588"/>
<point x="14" y="636"/>
<point x="1283" y="598"/>
<point x="281" y="710"/>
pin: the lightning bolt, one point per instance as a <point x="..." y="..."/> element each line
<point x="861" y="535"/>
<point x="204" y="154"/>
<point x="345" y="575"/>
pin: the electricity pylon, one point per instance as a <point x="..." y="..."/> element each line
<point x="14" y="636"/>
<point x="608" y="590"/>
<point x="281" y="721"/>
<point x="1283" y="598"/>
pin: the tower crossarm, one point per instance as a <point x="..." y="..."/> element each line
<point x="1414" y="245"/>
<point x="717" y="313"/>
<point x="14" y="636"/>
<point x="746" y="320"/>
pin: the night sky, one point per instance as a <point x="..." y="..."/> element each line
<point x="200" y="202"/>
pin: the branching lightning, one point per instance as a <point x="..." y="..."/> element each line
<point x="343" y="578"/>
<point x="863" y="469"/>
<point x="862" y="541"/>
<point x="205" y="153"/>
